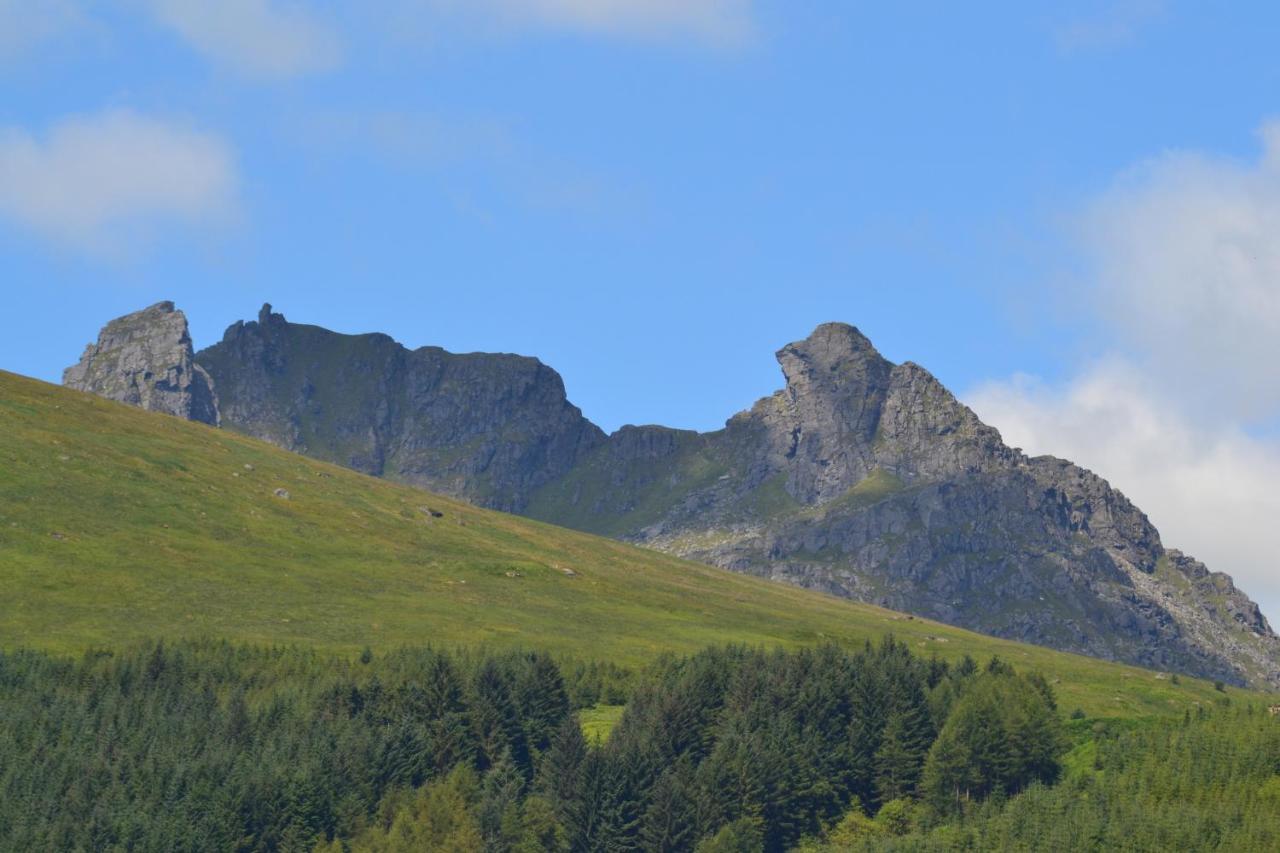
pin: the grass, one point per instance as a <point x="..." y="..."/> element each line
<point x="599" y="721"/>
<point x="118" y="525"/>
<point x="657" y="484"/>
<point x="875" y="487"/>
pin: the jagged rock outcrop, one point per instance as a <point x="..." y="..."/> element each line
<point x="860" y="477"/>
<point x="489" y="428"/>
<point x="868" y="479"/>
<point x="146" y="359"/>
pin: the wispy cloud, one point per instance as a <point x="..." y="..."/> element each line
<point x="719" y="22"/>
<point x="465" y="158"/>
<point x="1113" y="23"/>
<point x="1183" y="278"/>
<point x="258" y="38"/>
<point x="100" y="182"/>
<point x="26" y="24"/>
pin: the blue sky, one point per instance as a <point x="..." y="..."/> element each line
<point x="1070" y="212"/>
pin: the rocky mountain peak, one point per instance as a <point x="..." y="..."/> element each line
<point x="266" y="317"/>
<point x="486" y="427"/>
<point x="871" y="480"/>
<point x="828" y="347"/>
<point x="836" y="360"/>
<point x="146" y="359"/>
<point x="847" y="411"/>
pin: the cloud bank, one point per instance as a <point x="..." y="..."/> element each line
<point x="98" y="181"/>
<point x="1183" y="260"/>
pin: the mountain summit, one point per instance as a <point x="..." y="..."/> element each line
<point x="146" y="359"/>
<point x="488" y="428"/>
<point x="860" y="477"/>
<point x="870" y="480"/>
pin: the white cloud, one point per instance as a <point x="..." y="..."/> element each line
<point x="1182" y="259"/>
<point x="259" y="38"/>
<point x="724" y="22"/>
<point x="24" y="24"/>
<point x="97" y="181"/>
<point x="1185" y="256"/>
<point x="1210" y="491"/>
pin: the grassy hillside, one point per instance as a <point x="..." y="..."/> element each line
<point x="118" y="525"/>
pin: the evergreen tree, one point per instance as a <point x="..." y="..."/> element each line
<point x="540" y="694"/>
<point x="495" y="720"/>
<point x="897" y="762"/>
<point x="499" y="813"/>
<point x="670" y="822"/>
<point x="560" y="773"/>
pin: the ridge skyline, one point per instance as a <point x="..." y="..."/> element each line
<point x="817" y="484"/>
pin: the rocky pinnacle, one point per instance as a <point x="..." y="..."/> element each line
<point x="146" y="359"/>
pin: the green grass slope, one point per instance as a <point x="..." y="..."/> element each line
<point x="118" y="525"/>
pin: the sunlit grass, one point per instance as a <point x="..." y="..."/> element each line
<point x="118" y="525"/>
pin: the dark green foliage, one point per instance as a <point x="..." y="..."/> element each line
<point x="1001" y="736"/>
<point x="500" y="814"/>
<point x="496" y="719"/>
<point x="741" y="836"/>
<point x="737" y="746"/>
<point x="1211" y="783"/>
<point x="670" y="822"/>
<point x="219" y="747"/>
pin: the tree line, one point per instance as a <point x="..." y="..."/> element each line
<point x="215" y="746"/>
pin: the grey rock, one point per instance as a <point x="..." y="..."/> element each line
<point x="488" y="428"/>
<point x="869" y="480"/>
<point x="146" y="359"/>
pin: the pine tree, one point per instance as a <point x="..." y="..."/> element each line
<point x="897" y="762"/>
<point x="449" y="737"/>
<point x="499" y="811"/>
<point x="560" y="771"/>
<point x="496" y="721"/>
<point x="670" y="821"/>
<point x="541" y="695"/>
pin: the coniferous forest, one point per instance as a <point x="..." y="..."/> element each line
<point x="207" y="746"/>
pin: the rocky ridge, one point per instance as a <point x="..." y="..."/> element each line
<point x="870" y="480"/>
<point x="860" y="477"/>
<point x="146" y="359"/>
<point x="485" y="427"/>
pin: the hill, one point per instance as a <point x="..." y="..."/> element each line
<point x="860" y="477"/>
<point x="118" y="525"/>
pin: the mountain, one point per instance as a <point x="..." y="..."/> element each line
<point x="860" y="477"/>
<point x="487" y="428"/>
<point x="119" y="526"/>
<point x="869" y="480"/>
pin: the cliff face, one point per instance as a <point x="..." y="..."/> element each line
<point x="145" y="359"/>
<point x="860" y="477"/>
<point x="490" y="428"/>
<point x="868" y="479"/>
